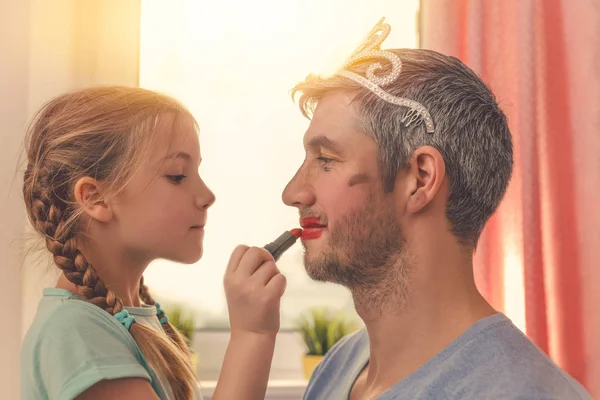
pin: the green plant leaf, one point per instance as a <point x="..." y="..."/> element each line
<point x="183" y="321"/>
<point x="321" y="330"/>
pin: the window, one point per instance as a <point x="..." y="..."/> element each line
<point x="233" y="64"/>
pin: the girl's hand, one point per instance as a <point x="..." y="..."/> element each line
<point x="253" y="287"/>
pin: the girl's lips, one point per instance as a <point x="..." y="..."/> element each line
<point x="199" y="229"/>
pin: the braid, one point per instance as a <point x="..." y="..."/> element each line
<point x="61" y="242"/>
<point x="177" y="337"/>
<point x="145" y="293"/>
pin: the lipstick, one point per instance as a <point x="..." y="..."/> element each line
<point x="313" y="228"/>
<point x="283" y="242"/>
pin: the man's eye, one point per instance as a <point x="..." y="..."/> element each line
<point x="325" y="163"/>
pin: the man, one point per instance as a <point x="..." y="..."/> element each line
<point x="407" y="156"/>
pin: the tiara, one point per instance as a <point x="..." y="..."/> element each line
<point x="369" y="49"/>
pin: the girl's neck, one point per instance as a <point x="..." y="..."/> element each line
<point x="119" y="271"/>
<point x="129" y="296"/>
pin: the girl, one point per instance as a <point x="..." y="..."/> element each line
<point x="111" y="184"/>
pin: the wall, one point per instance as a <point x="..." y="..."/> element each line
<point x="14" y="31"/>
<point x="46" y="48"/>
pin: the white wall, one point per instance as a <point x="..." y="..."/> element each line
<point x="46" y="48"/>
<point x="14" y="34"/>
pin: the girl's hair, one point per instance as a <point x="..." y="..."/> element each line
<point x="103" y="133"/>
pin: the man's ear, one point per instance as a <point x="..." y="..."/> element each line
<point x="426" y="174"/>
<point x="88" y="196"/>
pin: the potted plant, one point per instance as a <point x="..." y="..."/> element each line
<point x="185" y="323"/>
<point x="321" y="329"/>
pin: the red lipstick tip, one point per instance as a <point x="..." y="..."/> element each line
<point x="296" y="232"/>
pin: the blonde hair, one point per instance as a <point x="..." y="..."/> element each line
<point x="104" y="133"/>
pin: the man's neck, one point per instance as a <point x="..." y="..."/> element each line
<point x="410" y="325"/>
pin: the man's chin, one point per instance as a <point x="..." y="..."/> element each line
<point x="318" y="275"/>
<point x="317" y="268"/>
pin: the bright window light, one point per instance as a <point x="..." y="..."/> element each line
<point x="233" y="64"/>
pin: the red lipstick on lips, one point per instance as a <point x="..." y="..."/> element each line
<point x="312" y="228"/>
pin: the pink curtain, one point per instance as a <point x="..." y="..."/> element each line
<point x="541" y="58"/>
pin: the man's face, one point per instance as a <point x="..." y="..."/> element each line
<point x="351" y="234"/>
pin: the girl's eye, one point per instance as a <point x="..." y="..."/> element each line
<point x="176" y="178"/>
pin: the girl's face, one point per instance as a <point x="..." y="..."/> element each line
<point x="163" y="209"/>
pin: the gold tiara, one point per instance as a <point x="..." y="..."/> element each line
<point x="370" y="48"/>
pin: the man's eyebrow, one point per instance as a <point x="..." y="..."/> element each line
<point x="324" y="142"/>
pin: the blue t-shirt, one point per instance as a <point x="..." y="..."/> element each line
<point x="72" y="345"/>
<point x="492" y="360"/>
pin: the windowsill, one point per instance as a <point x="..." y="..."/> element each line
<point x="286" y="366"/>
<point x="276" y="389"/>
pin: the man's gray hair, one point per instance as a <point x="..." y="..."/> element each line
<point x="471" y="131"/>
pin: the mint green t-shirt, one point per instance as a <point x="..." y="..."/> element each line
<point x="72" y="345"/>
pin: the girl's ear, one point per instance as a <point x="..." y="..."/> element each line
<point x="88" y="196"/>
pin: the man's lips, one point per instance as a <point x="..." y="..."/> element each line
<point x="311" y="222"/>
<point x="312" y="228"/>
<point x="312" y="233"/>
